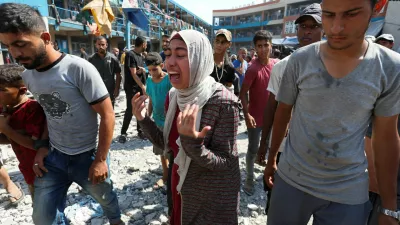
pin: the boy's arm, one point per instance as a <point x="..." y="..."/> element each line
<point x="13" y="135"/>
<point x="35" y="123"/>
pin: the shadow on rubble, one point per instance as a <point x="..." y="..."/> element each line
<point x="242" y="136"/>
<point x="140" y="203"/>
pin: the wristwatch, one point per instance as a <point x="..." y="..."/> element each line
<point x="387" y="212"/>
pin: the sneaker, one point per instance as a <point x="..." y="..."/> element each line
<point x="248" y="187"/>
<point x="122" y="139"/>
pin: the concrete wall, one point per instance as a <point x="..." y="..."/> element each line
<point x="392" y="22"/>
<point x="114" y="42"/>
<point x="83" y="40"/>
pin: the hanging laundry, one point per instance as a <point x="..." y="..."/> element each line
<point x="102" y="15"/>
<point x="135" y="14"/>
<point x="85" y="18"/>
<point x="94" y="29"/>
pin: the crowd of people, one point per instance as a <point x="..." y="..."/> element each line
<point x="323" y="121"/>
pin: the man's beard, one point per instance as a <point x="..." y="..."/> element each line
<point x="37" y="60"/>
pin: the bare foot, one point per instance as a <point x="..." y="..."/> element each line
<point x="159" y="184"/>
<point x="14" y="191"/>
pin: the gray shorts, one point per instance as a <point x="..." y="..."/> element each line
<point x="156" y="150"/>
<point x="290" y="206"/>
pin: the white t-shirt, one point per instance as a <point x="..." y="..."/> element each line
<point x="273" y="86"/>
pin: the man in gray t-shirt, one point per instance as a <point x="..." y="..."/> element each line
<point x="72" y="94"/>
<point x="329" y="92"/>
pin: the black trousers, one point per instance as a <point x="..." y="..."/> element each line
<point x="130" y="92"/>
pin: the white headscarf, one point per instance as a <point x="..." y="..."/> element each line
<point x="201" y="87"/>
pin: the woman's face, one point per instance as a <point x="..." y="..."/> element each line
<point x="178" y="64"/>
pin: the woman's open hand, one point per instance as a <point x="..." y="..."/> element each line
<point x="186" y="122"/>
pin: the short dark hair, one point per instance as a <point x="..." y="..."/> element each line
<point x="166" y="36"/>
<point x="20" y="18"/>
<point x="139" y="41"/>
<point x="83" y="48"/>
<point x="153" y="59"/>
<point x="10" y="75"/>
<point x="262" y="35"/>
<point x="100" y="38"/>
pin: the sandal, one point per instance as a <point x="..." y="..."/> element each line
<point x="15" y="203"/>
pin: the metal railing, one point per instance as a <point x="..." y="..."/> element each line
<point x="118" y="25"/>
<point x="251" y="34"/>
<point x="274" y="17"/>
<point x="70" y="15"/>
<point x="293" y="12"/>
<point x="248" y="21"/>
<point x="64" y="14"/>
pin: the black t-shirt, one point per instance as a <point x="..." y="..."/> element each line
<point x="227" y="77"/>
<point x="133" y="60"/>
<point x="107" y="67"/>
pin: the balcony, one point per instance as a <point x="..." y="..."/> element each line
<point x="241" y="25"/>
<point x="155" y="35"/>
<point x="248" y="36"/>
<point x="69" y="20"/>
<point x="293" y="12"/>
<point x="274" y="17"/>
<point x="118" y="25"/>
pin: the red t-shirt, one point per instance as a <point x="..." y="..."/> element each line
<point x="28" y="119"/>
<point x="257" y="77"/>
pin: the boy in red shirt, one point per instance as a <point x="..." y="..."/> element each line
<point x="255" y="84"/>
<point x="22" y="120"/>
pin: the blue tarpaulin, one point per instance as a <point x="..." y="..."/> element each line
<point x="375" y="26"/>
<point x="285" y="41"/>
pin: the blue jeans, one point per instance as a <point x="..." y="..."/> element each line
<point x="51" y="189"/>
<point x="290" y="206"/>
